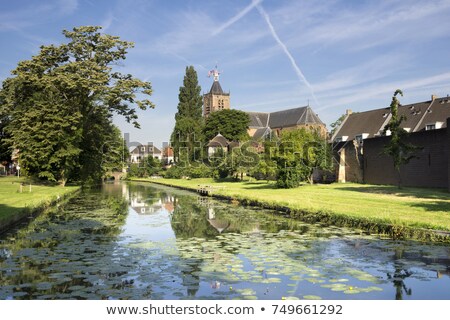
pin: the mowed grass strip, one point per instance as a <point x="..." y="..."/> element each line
<point x="13" y="202"/>
<point x="411" y="207"/>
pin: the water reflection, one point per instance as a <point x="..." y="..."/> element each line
<point x="139" y="241"/>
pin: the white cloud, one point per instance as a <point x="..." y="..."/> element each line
<point x="342" y="98"/>
<point x="295" y="66"/>
<point x="237" y="17"/>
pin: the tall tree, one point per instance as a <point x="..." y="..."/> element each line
<point x="60" y="104"/>
<point x="186" y="137"/>
<point x="5" y="148"/>
<point x="299" y="153"/>
<point x="232" y="124"/>
<point x="397" y="147"/>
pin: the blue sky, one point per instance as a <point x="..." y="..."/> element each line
<point x="272" y="54"/>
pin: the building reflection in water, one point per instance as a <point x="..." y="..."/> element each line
<point x="145" y="206"/>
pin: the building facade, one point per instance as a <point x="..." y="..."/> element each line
<point x="143" y="151"/>
<point x="359" y="141"/>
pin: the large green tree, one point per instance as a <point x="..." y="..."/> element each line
<point x="299" y="152"/>
<point x="232" y="124"/>
<point x="60" y="104"/>
<point x="186" y="137"/>
<point x="397" y="147"/>
<point x="5" y="148"/>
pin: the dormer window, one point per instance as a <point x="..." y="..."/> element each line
<point x="433" y="126"/>
<point x="143" y="149"/>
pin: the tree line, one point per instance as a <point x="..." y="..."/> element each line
<point x="56" y="109"/>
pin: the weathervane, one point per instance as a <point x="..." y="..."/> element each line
<point x="215" y="73"/>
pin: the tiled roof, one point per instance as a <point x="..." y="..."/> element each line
<point x="261" y="133"/>
<point x="357" y="123"/>
<point x="417" y="115"/>
<point x="216" y="88"/>
<point x="258" y="119"/>
<point x="218" y="141"/>
<point x="137" y="150"/>
<point x="284" y="118"/>
<point x="438" y="111"/>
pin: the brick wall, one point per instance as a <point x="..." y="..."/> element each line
<point x="430" y="169"/>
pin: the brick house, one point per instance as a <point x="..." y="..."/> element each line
<point x="358" y="145"/>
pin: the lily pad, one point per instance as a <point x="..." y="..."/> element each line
<point x="312" y="297"/>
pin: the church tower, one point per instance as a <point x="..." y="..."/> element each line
<point x="215" y="99"/>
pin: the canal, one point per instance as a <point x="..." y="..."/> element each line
<point x="144" y="241"/>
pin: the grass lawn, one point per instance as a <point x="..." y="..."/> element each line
<point x="407" y="207"/>
<point x="12" y="202"/>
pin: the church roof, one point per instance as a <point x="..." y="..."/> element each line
<point x="293" y="117"/>
<point x="216" y="88"/>
<point x="258" y="119"/>
<point x="284" y="119"/>
<point x="261" y="133"/>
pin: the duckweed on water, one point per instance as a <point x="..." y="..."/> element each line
<point x="94" y="247"/>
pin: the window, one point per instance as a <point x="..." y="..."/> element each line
<point x="341" y="139"/>
<point x="143" y="149"/>
<point x="359" y="138"/>
<point x="430" y="127"/>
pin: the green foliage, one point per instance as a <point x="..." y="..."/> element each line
<point x="397" y="147"/>
<point x="335" y="125"/>
<point x="299" y="153"/>
<point x="232" y="124"/>
<point x="240" y="160"/>
<point x="199" y="171"/>
<point x="60" y="105"/>
<point x="264" y="169"/>
<point x="369" y="207"/>
<point x="5" y="144"/>
<point x="187" y="134"/>
<point x="148" y="166"/>
<point x="289" y="177"/>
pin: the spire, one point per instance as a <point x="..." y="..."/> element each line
<point x="215" y="88"/>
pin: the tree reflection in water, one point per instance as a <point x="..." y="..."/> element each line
<point x="172" y="244"/>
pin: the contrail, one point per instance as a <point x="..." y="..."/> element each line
<point x="237" y="17"/>
<point x="297" y="70"/>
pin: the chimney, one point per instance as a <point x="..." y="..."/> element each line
<point x="433" y="97"/>
<point x="348" y="112"/>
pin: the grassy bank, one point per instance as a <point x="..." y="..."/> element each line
<point x="406" y="212"/>
<point x="15" y="205"/>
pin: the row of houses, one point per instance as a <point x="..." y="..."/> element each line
<point x="359" y="141"/>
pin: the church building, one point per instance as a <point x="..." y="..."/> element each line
<point x="263" y="124"/>
<point x="215" y="99"/>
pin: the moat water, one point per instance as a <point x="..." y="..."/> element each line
<point x="143" y="241"/>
